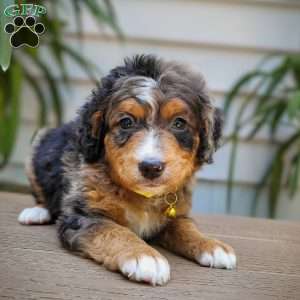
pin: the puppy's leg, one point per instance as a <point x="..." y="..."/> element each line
<point x="115" y="246"/>
<point x="182" y="236"/>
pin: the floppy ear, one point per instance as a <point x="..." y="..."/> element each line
<point x="91" y="123"/>
<point x="91" y="131"/>
<point x="210" y="133"/>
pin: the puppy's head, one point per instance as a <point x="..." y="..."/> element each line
<point x="153" y="123"/>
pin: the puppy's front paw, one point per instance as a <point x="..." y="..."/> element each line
<point x="216" y="254"/>
<point x="150" y="269"/>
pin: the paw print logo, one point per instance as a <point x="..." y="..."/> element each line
<point x="24" y="32"/>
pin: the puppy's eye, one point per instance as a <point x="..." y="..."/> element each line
<point x="126" y="123"/>
<point x="179" y="124"/>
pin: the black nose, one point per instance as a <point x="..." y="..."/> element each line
<point x="151" y="168"/>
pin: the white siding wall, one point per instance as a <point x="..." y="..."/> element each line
<point x="222" y="39"/>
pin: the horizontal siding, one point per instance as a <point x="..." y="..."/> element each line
<point x="217" y="67"/>
<point x="220" y="67"/>
<point x="210" y="198"/>
<point x="231" y="23"/>
<point x="14" y="174"/>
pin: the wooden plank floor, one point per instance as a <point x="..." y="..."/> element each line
<point x="34" y="266"/>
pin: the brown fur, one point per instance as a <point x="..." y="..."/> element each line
<point x="177" y="107"/>
<point x="125" y="207"/>
<point x="183" y="237"/>
<point x="113" y="245"/>
<point x="130" y="106"/>
<point x="95" y="121"/>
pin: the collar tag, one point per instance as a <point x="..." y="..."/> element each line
<point x="171" y="199"/>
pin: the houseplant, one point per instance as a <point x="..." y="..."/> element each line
<point x="16" y="65"/>
<point x="274" y="92"/>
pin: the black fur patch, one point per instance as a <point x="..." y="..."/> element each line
<point x="72" y="227"/>
<point x="143" y="65"/>
<point x="185" y="139"/>
<point x="120" y="137"/>
<point x="48" y="166"/>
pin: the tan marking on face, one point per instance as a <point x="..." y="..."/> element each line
<point x="178" y="161"/>
<point x="127" y="106"/>
<point x="123" y="162"/>
<point x="177" y="107"/>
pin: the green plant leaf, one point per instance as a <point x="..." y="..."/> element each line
<point x="53" y="88"/>
<point x="293" y="177"/>
<point x="54" y="32"/>
<point x="272" y="107"/>
<point x="295" y="66"/>
<point x="277" y="117"/>
<point x="78" y="18"/>
<point x="10" y="81"/>
<point x="263" y="182"/>
<point x="275" y="184"/>
<point x="236" y="89"/>
<point x="279" y="156"/>
<point x="101" y="16"/>
<point x="269" y="113"/>
<point x="58" y="55"/>
<point x="230" y="180"/>
<point x="266" y="59"/>
<point x="40" y="97"/>
<point x="5" y="47"/>
<point x="10" y="112"/>
<point x="234" y="137"/>
<point x="90" y="69"/>
<point x="293" y="107"/>
<point x="276" y="77"/>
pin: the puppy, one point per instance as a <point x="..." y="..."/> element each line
<point x="119" y="173"/>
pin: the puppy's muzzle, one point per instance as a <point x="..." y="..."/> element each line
<point x="151" y="168"/>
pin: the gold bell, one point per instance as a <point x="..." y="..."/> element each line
<point x="171" y="212"/>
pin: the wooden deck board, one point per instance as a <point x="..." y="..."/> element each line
<point x="34" y="266"/>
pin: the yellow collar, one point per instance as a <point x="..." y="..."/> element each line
<point x="170" y="199"/>
<point x="145" y="194"/>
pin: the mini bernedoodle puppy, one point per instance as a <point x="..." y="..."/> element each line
<point x="119" y="173"/>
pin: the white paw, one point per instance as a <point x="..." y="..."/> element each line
<point x="34" y="215"/>
<point x="219" y="258"/>
<point x="153" y="270"/>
